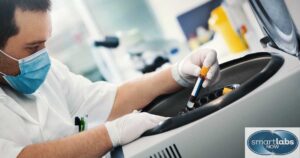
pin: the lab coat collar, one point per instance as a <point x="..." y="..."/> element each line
<point x="42" y="108"/>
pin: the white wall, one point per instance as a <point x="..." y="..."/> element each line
<point x="166" y="12"/>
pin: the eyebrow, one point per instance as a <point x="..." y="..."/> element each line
<point x="35" y="42"/>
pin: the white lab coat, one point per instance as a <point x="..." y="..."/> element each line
<point x="62" y="97"/>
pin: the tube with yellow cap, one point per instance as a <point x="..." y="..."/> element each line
<point x="197" y="88"/>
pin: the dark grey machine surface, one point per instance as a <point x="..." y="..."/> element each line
<point x="249" y="72"/>
<point x="234" y="72"/>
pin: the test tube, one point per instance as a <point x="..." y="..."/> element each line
<point x="197" y="87"/>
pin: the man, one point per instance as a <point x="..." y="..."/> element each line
<point x="40" y="97"/>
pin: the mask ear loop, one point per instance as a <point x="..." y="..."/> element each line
<point x="8" y="56"/>
<point x="1" y="73"/>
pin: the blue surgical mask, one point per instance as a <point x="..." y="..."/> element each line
<point x="33" y="71"/>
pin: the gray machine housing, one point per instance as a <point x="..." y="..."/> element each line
<point x="275" y="102"/>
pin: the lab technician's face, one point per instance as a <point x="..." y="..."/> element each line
<point x="34" y="29"/>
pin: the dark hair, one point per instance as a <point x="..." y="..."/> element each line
<point x="8" y="27"/>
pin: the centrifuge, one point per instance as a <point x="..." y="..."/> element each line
<point x="261" y="89"/>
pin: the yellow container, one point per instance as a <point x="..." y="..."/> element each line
<point x="220" y="23"/>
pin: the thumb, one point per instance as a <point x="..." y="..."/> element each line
<point x="158" y="119"/>
<point x="155" y="118"/>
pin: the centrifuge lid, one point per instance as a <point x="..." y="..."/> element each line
<point x="276" y="22"/>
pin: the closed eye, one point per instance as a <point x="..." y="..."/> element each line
<point x="33" y="49"/>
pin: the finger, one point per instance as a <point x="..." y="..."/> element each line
<point x="191" y="69"/>
<point x="198" y="56"/>
<point x="152" y="122"/>
<point x="212" y="73"/>
<point x="206" y="83"/>
<point x="157" y="118"/>
<point x="210" y="58"/>
<point x="209" y="82"/>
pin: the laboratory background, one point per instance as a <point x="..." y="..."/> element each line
<point x="253" y="94"/>
<point x="145" y="35"/>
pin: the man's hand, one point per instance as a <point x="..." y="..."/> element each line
<point x="187" y="70"/>
<point x="131" y="126"/>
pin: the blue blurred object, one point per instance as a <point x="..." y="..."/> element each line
<point x="197" y="17"/>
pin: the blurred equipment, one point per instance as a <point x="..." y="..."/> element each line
<point x="202" y="36"/>
<point x="109" y="42"/>
<point x="230" y="88"/>
<point x="194" y="24"/>
<point x="149" y="55"/>
<point x="220" y="22"/>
